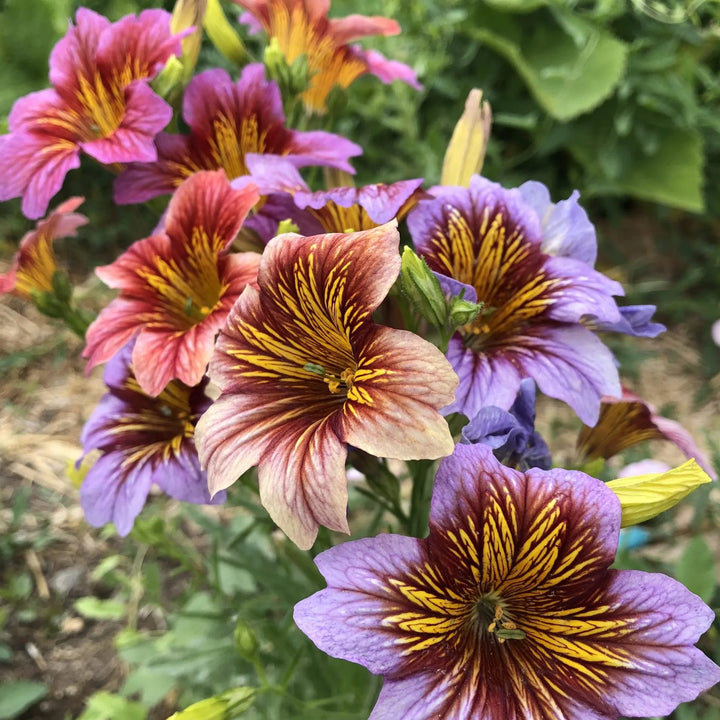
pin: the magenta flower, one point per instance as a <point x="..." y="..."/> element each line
<point x="302" y="28"/>
<point x="508" y="609"/>
<point x="100" y="102"/>
<point x="227" y="120"/>
<point x="304" y="371"/>
<point x="144" y="441"/>
<point x="177" y="287"/>
<point x="530" y="263"/>
<point x="34" y="264"/>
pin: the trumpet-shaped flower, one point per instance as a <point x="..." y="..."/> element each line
<point x="508" y="609"/>
<point x="302" y="28"/>
<point x="144" y="441"/>
<point x="176" y="288"/>
<point x="304" y="371"/>
<point x="628" y="420"/>
<point x="227" y="120"/>
<point x="34" y="264"/>
<point x="100" y="102"/>
<point x="530" y="263"/>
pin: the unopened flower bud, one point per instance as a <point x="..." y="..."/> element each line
<point x="423" y="288"/>
<point x="47" y="303"/>
<point x="463" y="311"/>
<point x="222" y="34"/>
<point x="465" y="153"/>
<point x="61" y="286"/>
<point x="226" y="706"/>
<point x="245" y="641"/>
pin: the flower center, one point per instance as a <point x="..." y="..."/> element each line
<point x="337" y="384"/>
<point x="492" y="617"/>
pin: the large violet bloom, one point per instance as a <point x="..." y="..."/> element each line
<point x="227" y="120"/>
<point x="302" y="28"/>
<point x="508" y="609"/>
<point x="144" y="441"/>
<point x="530" y="263"/>
<point x="177" y="287"/>
<point x="304" y="372"/>
<point x="100" y="102"/>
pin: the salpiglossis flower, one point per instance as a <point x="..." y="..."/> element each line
<point x="628" y="420"/>
<point x="530" y="263"/>
<point x="508" y="609"/>
<point x="336" y="210"/>
<point x="34" y="264"/>
<point x="302" y="28"/>
<point x="144" y="441"/>
<point x="177" y="287"/>
<point x="227" y="120"/>
<point x="100" y="102"/>
<point x="305" y="371"/>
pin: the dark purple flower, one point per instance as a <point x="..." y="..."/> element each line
<point x="144" y="440"/>
<point x="511" y="435"/>
<point x="531" y="266"/>
<point x="509" y="610"/>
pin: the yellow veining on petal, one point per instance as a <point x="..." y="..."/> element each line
<point x="229" y="144"/>
<point x="37" y="264"/>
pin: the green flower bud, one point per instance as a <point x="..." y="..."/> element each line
<point x="226" y="706"/>
<point x="423" y="288"/>
<point x="61" y="286"/>
<point x="47" y="303"/>
<point x="463" y="311"/>
<point x="245" y="641"/>
<point x="287" y="226"/>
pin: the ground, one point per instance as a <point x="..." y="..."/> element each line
<point x="50" y="553"/>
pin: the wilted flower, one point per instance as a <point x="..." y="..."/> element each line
<point x="34" y="264"/>
<point x="628" y="420"/>
<point x="304" y="371"/>
<point x="508" y="609"/>
<point x="227" y="120"/>
<point x="530" y="263"/>
<point x="100" y="102"/>
<point x="144" y="441"/>
<point x="302" y="28"/>
<point x="176" y="288"/>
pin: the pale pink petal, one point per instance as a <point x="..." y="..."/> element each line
<point x="354" y="27"/>
<point x="401" y="420"/>
<point x="122" y="274"/>
<point x="302" y="482"/>
<point x="387" y="70"/>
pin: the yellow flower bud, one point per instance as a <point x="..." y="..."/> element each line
<point x="465" y="153"/>
<point x="644" y="496"/>
<point x="187" y="14"/>
<point x="222" y="34"/>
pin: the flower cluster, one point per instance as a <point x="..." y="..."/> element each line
<point x="320" y="350"/>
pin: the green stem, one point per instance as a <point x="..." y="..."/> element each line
<point x="422" y="475"/>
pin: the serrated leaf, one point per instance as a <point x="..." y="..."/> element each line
<point x="95" y="609"/>
<point x="17" y="696"/>
<point x="569" y="63"/>
<point x="696" y="568"/>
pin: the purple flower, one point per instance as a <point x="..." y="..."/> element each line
<point x="530" y="263"/>
<point x="143" y="440"/>
<point x="511" y="435"/>
<point x="508" y="609"/>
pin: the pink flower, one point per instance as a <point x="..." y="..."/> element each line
<point x="100" y="102"/>
<point x="176" y="288"/>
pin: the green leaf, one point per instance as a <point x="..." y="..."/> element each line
<point x="696" y="568"/>
<point x="569" y="63"/>
<point x="15" y="697"/>
<point x="106" y="706"/>
<point x="96" y="609"/>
